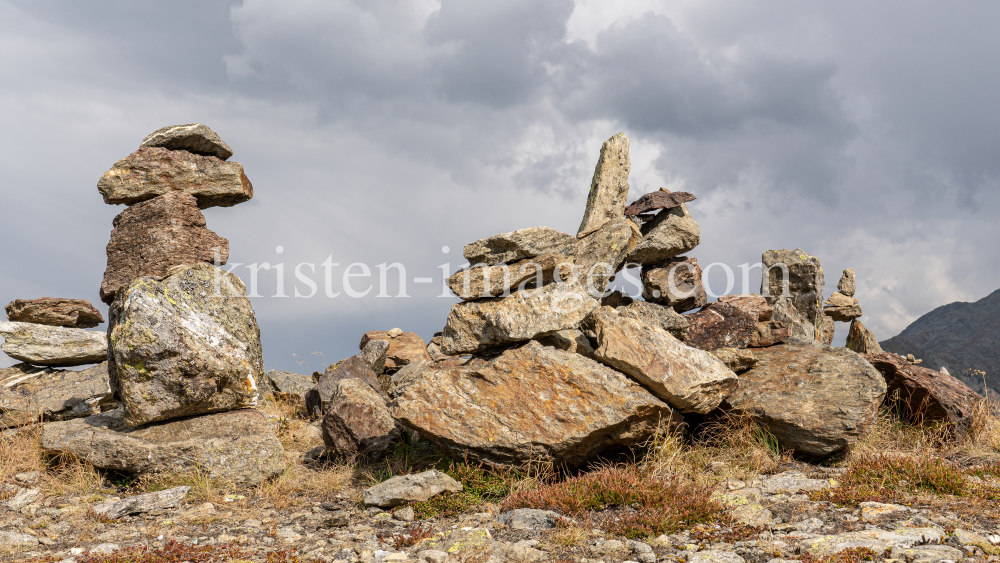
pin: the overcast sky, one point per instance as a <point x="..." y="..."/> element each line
<point x="865" y="133"/>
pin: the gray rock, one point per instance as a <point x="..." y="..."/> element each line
<point x="27" y="392"/>
<point x="43" y="345"/>
<point x="154" y="171"/>
<point x="432" y="556"/>
<point x="503" y="279"/>
<point x="319" y="397"/>
<point x="375" y="353"/>
<point x="814" y="399"/>
<point x="478" y="325"/>
<point x="415" y="487"/>
<point x="861" y="340"/>
<point x="529" y="519"/>
<point x="609" y="186"/>
<point x="571" y="340"/>
<point x="23" y="498"/>
<point x="602" y="253"/>
<point x="285" y="384"/>
<point x="17" y="539"/>
<point x="169" y="498"/>
<point x="183" y="346"/>
<point x="237" y="446"/>
<point x="672" y="232"/>
<point x="529" y="404"/>
<point x="874" y="539"/>
<point x="714" y="556"/>
<point x="796" y="301"/>
<point x="193" y="137"/>
<point x="675" y="283"/>
<point x="357" y="421"/>
<point x="652" y="314"/>
<point x="663" y="199"/>
<point x="840" y="307"/>
<point x="792" y="482"/>
<point x="688" y="379"/>
<point x="69" y="313"/>
<point x="846" y="284"/>
<point x="518" y="245"/>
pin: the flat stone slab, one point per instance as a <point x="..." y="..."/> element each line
<point x="54" y="346"/>
<point x="192" y="137"/>
<point x="169" y="498"/>
<point x="53" y="311"/>
<point x="28" y="392"/>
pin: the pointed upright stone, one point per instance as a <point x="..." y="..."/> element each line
<point x="609" y="188"/>
<point x="846" y="284"/>
<point x="862" y="340"/>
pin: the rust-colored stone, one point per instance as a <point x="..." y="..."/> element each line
<point x="53" y="311"/>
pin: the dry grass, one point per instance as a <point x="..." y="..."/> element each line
<point x="567" y="534"/>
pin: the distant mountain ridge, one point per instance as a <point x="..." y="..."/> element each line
<point x="959" y="336"/>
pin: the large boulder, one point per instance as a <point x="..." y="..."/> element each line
<point x="925" y="395"/>
<point x="357" y="421"/>
<point x="518" y="245"/>
<point x="54" y="346"/>
<point x="192" y="137"/>
<point x="602" y="253"/>
<point x="487" y="323"/>
<point x="404" y="347"/>
<point x="609" y="186"/>
<point x="186" y="345"/>
<point x="689" y="379"/>
<point x="663" y="199"/>
<point x="862" y="340"/>
<point x="721" y="325"/>
<point x="27" y="392"/>
<point x="503" y="279"/>
<point x="675" y="283"/>
<point x="528" y="404"/>
<point x="154" y="171"/>
<point x="319" y="397"/>
<point x="814" y="399"/>
<point x="239" y="446"/>
<point x="52" y="311"/>
<point x="154" y="236"/>
<point x="670" y="233"/>
<point x="796" y="299"/>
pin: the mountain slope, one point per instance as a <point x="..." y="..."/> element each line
<point x="960" y="336"/>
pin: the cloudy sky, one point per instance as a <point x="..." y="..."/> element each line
<point x="383" y="131"/>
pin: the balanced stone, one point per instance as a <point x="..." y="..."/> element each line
<point x="518" y="245"/>
<point x="52" y="311"/>
<point x="675" y="283"/>
<point x="796" y="298"/>
<point x="154" y="171"/>
<point x="840" y="307"/>
<point x="609" y="186"/>
<point x="186" y="345"/>
<point x="193" y="137"/>
<point x="670" y="233"/>
<point x="154" y="236"/>
<point x="43" y="345"/>
<point x="663" y="199"/>
<point x="847" y="285"/>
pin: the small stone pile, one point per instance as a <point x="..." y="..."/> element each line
<point x="183" y="345"/>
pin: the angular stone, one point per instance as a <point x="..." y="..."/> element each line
<point x="23" y="498"/>
<point x="503" y="279"/>
<point x="609" y="186"/>
<point x="797" y="301"/>
<point x="193" y="137"/>
<point x="715" y="556"/>
<point x="357" y="421"/>
<point x="792" y="482"/>
<point x="518" y="245"/>
<point x="237" y="446"/>
<point x="415" y="487"/>
<point x="925" y="395"/>
<point x="154" y="171"/>
<point x="529" y="519"/>
<point x="571" y="340"/>
<point x="838" y="299"/>
<point x="616" y="299"/>
<point x="750" y="302"/>
<point x="842" y="308"/>
<point x="286" y="385"/>
<point x="874" y="512"/>
<point x="663" y="199"/>
<point x="318" y="399"/>
<point x="688" y="379"/>
<point x="154" y="236"/>
<point x="404" y="347"/>
<point x="736" y="359"/>
<point x="529" y="404"/>
<point x="17" y="540"/>
<point x="376" y="353"/>
<point x="686" y="291"/>
<point x="670" y="233"/>
<point x="652" y="314"/>
<point x="827" y="331"/>
<point x="768" y="334"/>
<point x="523" y="315"/>
<point x="721" y="325"/>
<point x="186" y="345"/>
<point x="27" y="392"/>
<point x="159" y="500"/>
<point x="54" y="346"/>
<point x="875" y="539"/>
<point x="846" y="284"/>
<point x="814" y="399"/>
<point x="52" y="311"/>
<point x="602" y="253"/>
<point x="861" y="340"/>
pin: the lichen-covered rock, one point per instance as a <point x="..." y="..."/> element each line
<point x="769" y="333"/>
<point x="186" y="345"/>
<point x="52" y="311"/>
<point x="827" y="331"/>
<point x="750" y="302"/>
<point x="670" y="233"/>
<point x="675" y="283"/>
<point x="154" y="236"/>
<point x="503" y="279"/>
<point x="285" y="385"/>
<point x="478" y="325"/>
<point x="27" y="392"/>
<point x="570" y="340"/>
<point x="376" y="353"/>
<point x="238" y="446"/>
<point x="415" y="487"/>
<point x="529" y="404"/>
<point x="54" y="346"/>
<point x="602" y="253"/>
<point x="861" y="340"/>
<point x="404" y="347"/>
<point x="154" y="171"/>
<point x="609" y="186"/>
<point x="840" y="307"/>
<point x="815" y="399"/>
<point x="318" y="398"/>
<point x="846" y="285"/>
<point x="797" y="300"/>
<point x="721" y="325"/>
<point x="518" y="245"/>
<point x="688" y="379"/>
<point x="357" y="421"/>
<point x="653" y="314"/>
<point x="192" y="137"/>
<point x="736" y="359"/>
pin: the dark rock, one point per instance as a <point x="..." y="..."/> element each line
<point x="663" y="199"/>
<point x="376" y="352"/>
<point x="751" y="303"/>
<point x="861" y="340"/>
<point x="518" y="245"/>
<point x="150" y="172"/>
<point x="670" y="233"/>
<point x="193" y="137"/>
<point x="319" y="397"/>
<point x="27" y="392"/>
<point x="152" y="237"/>
<point x="609" y="186"/>
<point x="797" y="301"/>
<point x="736" y="359"/>
<point x="55" y="346"/>
<point x="404" y="347"/>
<point x="52" y="311"/>
<point x="721" y="325"/>
<point x="616" y="299"/>
<point x="571" y="340"/>
<point x="286" y="385"/>
<point x="357" y="421"/>
<point x="686" y="293"/>
<point x="768" y="334"/>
